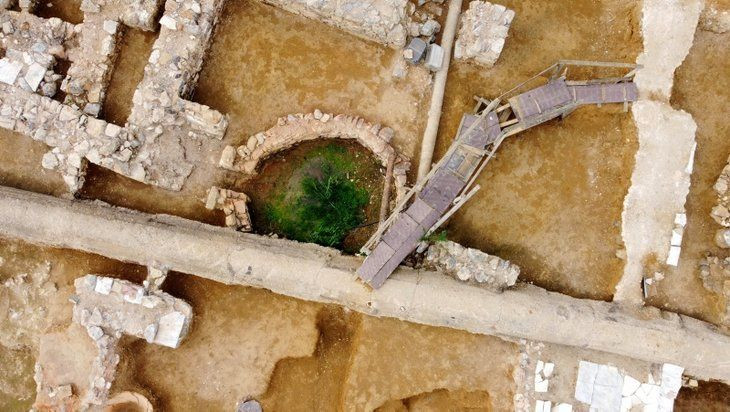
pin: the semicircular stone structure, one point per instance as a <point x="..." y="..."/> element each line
<point x="297" y="128"/>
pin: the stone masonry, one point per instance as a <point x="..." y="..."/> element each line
<point x="715" y="276"/>
<point x="721" y="212"/>
<point x="382" y="21"/>
<point x="472" y="265"/>
<point x="93" y="58"/>
<point x="233" y="204"/>
<point x="164" y="131"/>
<point x="296" y="128"/>
<point x="482" y="32"/>
<point x="109" y="308"/>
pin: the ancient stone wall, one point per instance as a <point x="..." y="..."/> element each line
<point x="297" y="128"/>
<point x="482" y="31"/>
<point x="472" y="265"/>
<point x="164" y="131"/>
<point x="382" y="21"/>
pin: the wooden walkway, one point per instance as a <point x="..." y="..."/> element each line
<point x="447" y="186"/>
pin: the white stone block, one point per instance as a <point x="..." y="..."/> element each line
<point x="34" y="75"/>
<point x="673" y="257"/>
<point x="9" y="70"/>
<point x="541" y="385"/>
<point x="169" y="329"/>
<point x="587" y="372"/>
<point x="435" y="57"/>
<point x="630" y="386"/>
<point x="671" y="381"/>
<point x="676" y="237"/>
<point x="168" y="22"/>
<point x="103" y="285"/>
<point x="548" y="370"/>
<point x="680" y="219"/>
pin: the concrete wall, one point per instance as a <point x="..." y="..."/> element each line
<point x="320" y="274"/>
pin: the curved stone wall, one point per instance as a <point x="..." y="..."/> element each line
<point x="297" y="128"/>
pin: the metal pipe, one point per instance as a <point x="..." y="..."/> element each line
<point x="439" y="87"/>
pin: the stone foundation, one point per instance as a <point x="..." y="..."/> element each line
<point x="472" y="265"/>
<point x="482" y="31"/>
<point x="233" y="204"/>
<point x="715" y="275"/>
<point x="382" y="21"/>
<point x="164" y="133"/>
<point x="721" y="212"/>
<point x="108" y="308"/>
<point x="297" y="128"/>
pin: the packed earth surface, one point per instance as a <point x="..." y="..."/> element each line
<point x="550" y="207"/>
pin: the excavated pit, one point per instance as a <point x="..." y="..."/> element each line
<point x="551" y="202"/>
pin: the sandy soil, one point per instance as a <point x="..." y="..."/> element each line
<point x="703" y="77"/>
<point x="135" y="47"/>
<point x="415" y="359"/>
<point x="552" y="199"/>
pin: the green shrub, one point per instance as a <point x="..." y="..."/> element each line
<point x="326" y="207"/>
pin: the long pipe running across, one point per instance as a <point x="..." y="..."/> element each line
<point x="319" y="274"/>
<point x="439" y="87"/>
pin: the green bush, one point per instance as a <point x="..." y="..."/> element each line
<point x="326" y="207"/>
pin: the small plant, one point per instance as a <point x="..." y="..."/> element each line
<point x="441" y="236"/>
<point x="327" y="205"/>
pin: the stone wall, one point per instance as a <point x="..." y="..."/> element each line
<point x="297" y="128"/>
<point x="382" y="21"/>
<point x="482" y="31"/>
<point x="108" y="308"/>
<point x="164" y="133"/>
<point x="472" y="265"/>
<point x="721" y="212"/>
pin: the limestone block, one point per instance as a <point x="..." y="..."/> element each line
<point x="482" y="33"/>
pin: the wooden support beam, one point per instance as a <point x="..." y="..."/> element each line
<point x="460" y="202"/>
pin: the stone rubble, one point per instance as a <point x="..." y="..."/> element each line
<point x="675" y="244"/>
<point x="109" y="308"/>
<point x="164" y="130"/>
<point x="32" y="46"/>
<point x="382" y="21"/>
<point x="233" y="204"/>
<point x="296" y="128"/>
<point x="721" y="212"/>
<point x="482" y="32"/>
<point x="715" y="276"/>
<point x="472" y="265"/>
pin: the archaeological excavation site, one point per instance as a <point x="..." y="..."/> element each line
<point x="364" y="205"/>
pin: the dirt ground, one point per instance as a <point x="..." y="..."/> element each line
<point x="704" y="77"/>
<point x="551" y="201"/>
